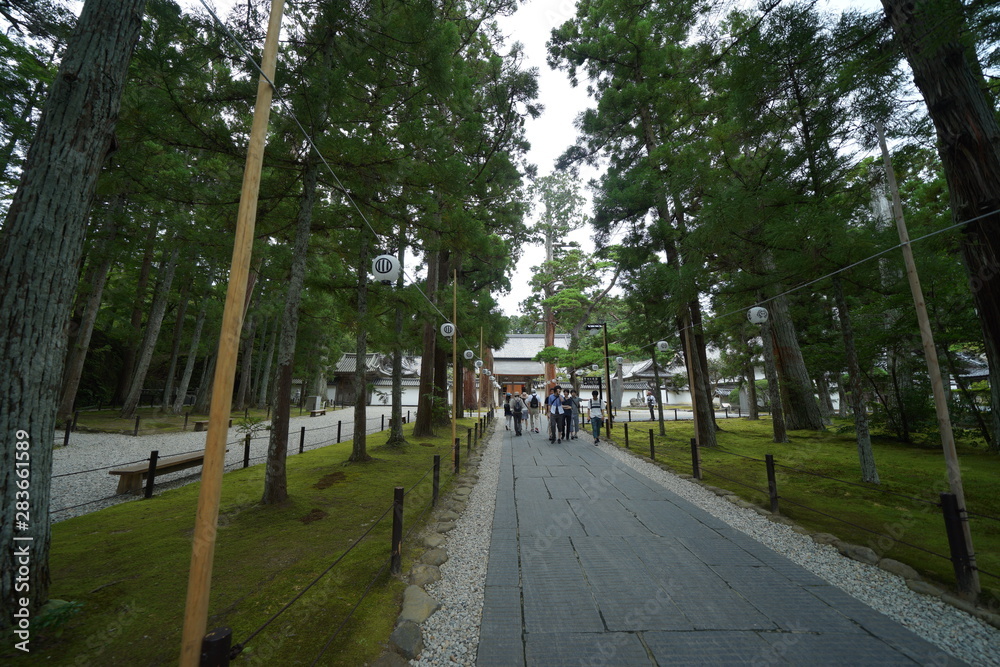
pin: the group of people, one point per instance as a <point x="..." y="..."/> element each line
<point x="562" y="408"/>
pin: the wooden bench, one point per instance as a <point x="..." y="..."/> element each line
<point x="131" y="477"/>
<point x="317" y="413"/>
<point x="203" y="426"/>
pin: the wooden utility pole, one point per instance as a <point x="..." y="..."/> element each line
<point x="930" y="354"/>
<point x="206" y="519"/>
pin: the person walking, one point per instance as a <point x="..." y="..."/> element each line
<point x="567" y="404"/>
<point x="517" y="407"/>
<point x="508" y="415"/>
<point x="556" y="414"/>
<point x="596" y="416"/>
<point x="651" y="402"/>
<point x="533" y="417"/>
<point x="574" y="427"/>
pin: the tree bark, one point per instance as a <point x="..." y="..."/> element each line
<point x="440" y="415"/>
<point x="81" y="343"/>
<point x="151" y="334"/>
<point x="708" y="393"/>
<point x="132" y="347"/>
<point x="275" y="479"/>
<point x="753" y="411"/>
<point x="264" y="387"/>
<point x="168" y="385"/>
<point x="796" y="387"/>
<point x="423" y="427"/>
<point x="866" y="456"/>
<point x="182" y="388"/>
<point x="825" y="402"/>
<point x="396" y="437"/>
<point x="773" y="386"/>
<point x="40" y="251"/>
<point x="359" y="450"/>
<point x="940" y="49"/>
<point x="204" y="395"/>
<point x="246" y="364"/>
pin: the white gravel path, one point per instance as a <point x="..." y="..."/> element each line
<point x="451" y="635"/>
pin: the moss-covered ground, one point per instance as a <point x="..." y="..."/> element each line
<point x="889" y="517"/>
<point x="128" y="565"/>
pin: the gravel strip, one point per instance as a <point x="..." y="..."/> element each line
<point x="954" y="631"/>
<point x="451" y="635"/>
<point x="84" y="492"/>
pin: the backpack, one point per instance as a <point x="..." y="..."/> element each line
<point x="534" y="401"/>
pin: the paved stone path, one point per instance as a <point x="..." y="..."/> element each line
<point x="592" y="563"/>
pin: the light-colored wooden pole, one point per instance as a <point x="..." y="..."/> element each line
<point x="930" y="354"/>
<point x="203" y="549"/>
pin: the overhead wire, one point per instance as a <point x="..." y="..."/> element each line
<point x="289" y="113"/>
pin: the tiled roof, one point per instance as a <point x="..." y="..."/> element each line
<point x="509" y="367"/>
<point x="526" y="346"/>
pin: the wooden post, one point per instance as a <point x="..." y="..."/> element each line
<point x="396" y="551"/>
<point x="930" y="355"/>
<point x="206" y="518"/>
<point x="772" y="482"/>
<point x="151" y="475"/>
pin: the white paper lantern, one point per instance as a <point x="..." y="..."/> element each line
<point x="619" y="360"/>
<point x="447" y="329"/>
<point x="479" y="363"/>
<point x="662" y="345"/>
<point x="469" y="354"/>
<point x="757" y="315"/>
<point x="488" y="372"/>
<point x="385" y="268"/>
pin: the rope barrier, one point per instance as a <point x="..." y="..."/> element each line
<point x="350" y="614"/>
<point x="238" y="648"/>
<point x="868" y="530"/>
<point x="80" y="472"/>
<point x="89" y="502"/>
<point x="734" y="481"/>
<point x="982" y="516"/>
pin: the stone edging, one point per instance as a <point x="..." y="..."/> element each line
<point x="406" y="641"/>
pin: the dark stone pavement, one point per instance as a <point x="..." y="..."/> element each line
<point x="592" y="563"/>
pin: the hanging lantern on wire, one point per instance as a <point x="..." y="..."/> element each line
<point x="447" y="329"/>
<point x="386" y="269"/>
<point x="619" y="360"/>
<point x="757" y="315"/>
<point x="469" y="354"/>
<point x="662" y="345"/>
<point x="479" y="363"/>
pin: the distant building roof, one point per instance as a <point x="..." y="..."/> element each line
<point x="526" y="346"/>
<point x="377" y="363"/>
<point x="506" y="367"/>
